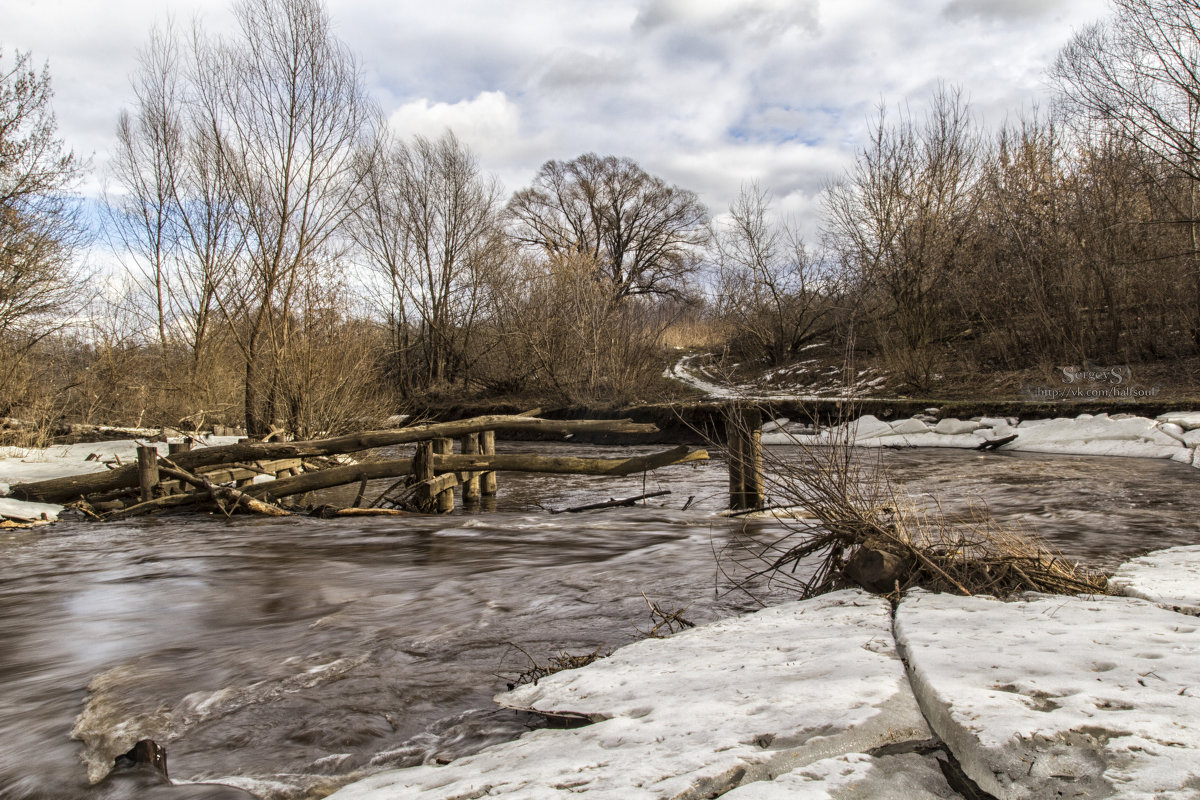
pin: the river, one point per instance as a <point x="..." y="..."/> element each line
<point x="297" y="652"/>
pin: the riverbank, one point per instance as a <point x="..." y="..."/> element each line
<point x="841" y="696"/>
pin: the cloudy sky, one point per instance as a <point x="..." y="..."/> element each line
<point x="705" y="93"/>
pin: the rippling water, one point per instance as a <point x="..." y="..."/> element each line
<point x="295" y="653"/>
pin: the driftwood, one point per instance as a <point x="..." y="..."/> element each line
<point x="995" y="444"/>
<point x="60" y="490"/>
<point x="628" y="501"/>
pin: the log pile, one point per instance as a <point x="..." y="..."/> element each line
<point x="222" y="477"/>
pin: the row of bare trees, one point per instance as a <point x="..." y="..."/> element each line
<point x="291" y="262"/>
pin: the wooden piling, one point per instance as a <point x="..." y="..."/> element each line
<point x="469" y="445"/>
<point x="487" y="447"/>
<point x="147" y="471"/>
<point x="743" y="433"/>
<point x="179" y="447"/>
<point x="445" y="498"/>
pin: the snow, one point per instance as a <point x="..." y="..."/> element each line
<point x="1121" y="435"/>
<point x="955" y="427"/>
<point x="910" y="426"/>
<point x="1169" y="578"/>
<point x="1188" y="420"/>
<point x="1059" y="696"/>
<point x="737" y="701"/>
<point x="854" y="776"/>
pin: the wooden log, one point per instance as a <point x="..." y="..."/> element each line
<point x="469" y="446"/>
<point x="487" y="480"/>
<point x="372" y="512"/>
<point x="57" y="490"/>
<point x="147" y="465"/>
<point x="508" y="462"/>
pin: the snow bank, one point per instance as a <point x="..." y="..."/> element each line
<point x="1091" y="435"/>
<point x="1059" y="696"/>
<point x="1170" y="578"/>
<point x="741" y="700"/>
<point x="855" y="776"/>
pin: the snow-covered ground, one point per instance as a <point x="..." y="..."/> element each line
<point x="807" y="380"/>
<point x="1043" y="696"/>
<point x="1175" y="436"/>
<point x="27" y="464"/>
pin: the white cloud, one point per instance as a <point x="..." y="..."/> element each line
<point x="483" y="122"/>
<point x="705" y="93"/>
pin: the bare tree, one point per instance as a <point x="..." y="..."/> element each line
<point x="770" y="289"/>
<point x="640" y="232"/>
<point x="428" y="220"/>
<point x="40" y="231"/>
<point x="1139" y="72"/>
<point x="174" y="214"/>
<point x="900" y="219"/>
<point x="245" y="156"/>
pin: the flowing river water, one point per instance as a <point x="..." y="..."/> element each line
<point x="294" y="653"/>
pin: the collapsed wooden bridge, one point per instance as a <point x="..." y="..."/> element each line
<point x="222" y="476"/>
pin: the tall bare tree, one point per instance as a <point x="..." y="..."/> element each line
<point x="640" y="232"/>
<point x="769" y="288"/>
<point x="428" y="220"/>
<point x="900" y="217"/>
<point x="267" y="124"/>
<point x="174" y="214"/>
<point x="40" y="231"/>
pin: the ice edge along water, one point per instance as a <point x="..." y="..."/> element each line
<point x="1091" y="697"/>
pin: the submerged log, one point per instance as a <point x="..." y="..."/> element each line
<point x="60" y="490"/>
<point x="622" y="503"/>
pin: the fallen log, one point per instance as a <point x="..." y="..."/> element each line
<point x="504" y="462"/>
<point x="60" y="490"/>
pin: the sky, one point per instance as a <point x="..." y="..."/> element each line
<point x="707" y="94"/>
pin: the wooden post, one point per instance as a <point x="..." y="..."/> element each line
<point x="422" y="463"/>
<point x="179" y="447"/>
<point x="487" y="447"/>
<point x="752" y="459"/>
<point x="445" y="499"/>
<point x="469" y="445"/>
<point x="743" y="433"/>
<point x="147" y="471"/>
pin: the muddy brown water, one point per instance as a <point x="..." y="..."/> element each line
<point x="288" y="655"/>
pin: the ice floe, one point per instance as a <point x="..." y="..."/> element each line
<point x="1059" y="696"/>
<point x="1170" y="578"/>
<point x="737" y="701"/>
